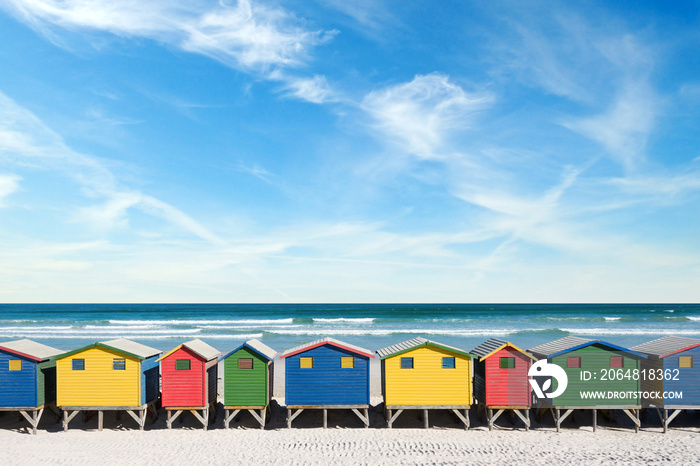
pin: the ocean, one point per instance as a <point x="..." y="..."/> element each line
<point x="372" y="326"/>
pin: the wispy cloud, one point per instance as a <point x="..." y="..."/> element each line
<point x="8" y="185"/>
<point x="315" y="90"/>
<point x="421" y="113"/>
<point x="249" y="35"/>
<point x="25" y="140"/>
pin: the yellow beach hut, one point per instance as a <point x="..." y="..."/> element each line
<point x="423" y="374"/>
<point x="116" y="375"/>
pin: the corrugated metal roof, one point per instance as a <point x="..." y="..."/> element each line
<point x="132" y="347"/>
<point x="204" y="350"/>
<point x="487" y="347"/>
<point x="403" y="346"/>
<point x="414" y="343"/>
<point x="323" y="341"/>
<point x="562" y="344"/>
<point x="31" y="348"/>
<point x="262" y="348"/>
<point x="665" y="346"/>
<point x="256" y="345"/>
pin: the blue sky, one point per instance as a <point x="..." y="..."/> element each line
<point x="333" y="151"/>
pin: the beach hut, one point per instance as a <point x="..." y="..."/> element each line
<point x="501" y="380"/>
<point x="672" y="366"/>
<point x="189" y="377"/>
<point x="327" y="374"/>
<point x="599" y="375"/>
<point x="28" y="379"/>
<point x="248" y="381"/>
<point x="116" y="375"/>
<point x="424" y="374"/>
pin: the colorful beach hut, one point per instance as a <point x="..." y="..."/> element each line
<point x="189" y="377"/>
<point x="27" y="379"/>
<point x="600" y="375"/>
<point x="672" y="366"/>
<point x="116" y="375"/>
<point x="424" y="374"/>
<point x="327" y="374"/>
<point x="248" y="381"/>
<point x="501" y="380"/>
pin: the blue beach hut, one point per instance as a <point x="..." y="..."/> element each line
<point x="670" y="367"/>
<point x="27" y="379"/>
<point x="327" y="374"/>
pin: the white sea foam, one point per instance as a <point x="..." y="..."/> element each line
<point x="629" y="331"/>
<point x="341" y="320"/>
<point x="612" y="319"/>
<point x="203" y="322"/>
<point x="104" y="331"/>
<point x="693" y="318"/>
<point x="388" y="331"/>
<point x="97" y="336"/>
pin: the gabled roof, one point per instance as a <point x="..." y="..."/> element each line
<point x="121" y="345"/>
<point x="259" y="347"/>
<point x="493" y="345"/>
<point x="30" y="349"/>
<point x="572" y="343"/>
<point x="667" y="346"/>
<point x="413" y="343"/>
<point x="327" y="341"/>
<point x="198" y="347"/>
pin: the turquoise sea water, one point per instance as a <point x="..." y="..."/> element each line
<point x="373" y="326"/>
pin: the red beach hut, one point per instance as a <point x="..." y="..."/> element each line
<point x="189" y="377"/>
<point x="501" y="381"/>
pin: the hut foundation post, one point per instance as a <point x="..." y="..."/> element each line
<point x="325" y="418"/>
<point x="393" y="418"/>
<point x="664" y="420"/>
<point x="523" y="417"/>
<point x="263" y="415"/>
<point x="100" y="419"/>
<point x="388" y="417"/>
<point x="426" y="422"/>
<point x="595" y="419"/>
<point x="557" y="419"/>
<point x="67" y="416"/>
<point x="367" y="417"/>
<point x="466" y="418"/>
<point x="142" y="423"/>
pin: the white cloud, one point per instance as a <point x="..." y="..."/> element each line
<point x="315" y="90"/>
<point x="8" y="185"/>
<point x="623" y="130"/>
<point x="248" y="35"/>
<point x="24" y="140"/>
<point x="420" y="114"/>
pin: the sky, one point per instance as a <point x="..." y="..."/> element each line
<point x="336" y="151"/>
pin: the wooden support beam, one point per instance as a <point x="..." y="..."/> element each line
<point x="392" y="419"/>
<point x="133" y="415"/>
<point x="100" y="419"/>
<point x="365" y="418"/>
<point x="464" y="419"/>
<point x="325" y="418"/>
<point x="67" y="417"/>
<point x="634" y="416"/>
<point x="595" y="419"/>
<point x="523" y="417"/>
<point x="426" y="422"/>
<point x="291" y="416"/>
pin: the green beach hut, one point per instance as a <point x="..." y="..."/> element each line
<point x="599" y="375"/>
<point x="248" y="380"/>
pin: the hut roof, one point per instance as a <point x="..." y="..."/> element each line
<point x="121" y="345"/>
<point x="572" y="343"/>
<point x="198" y="347"/>
<point x="413" y="343"/>
<point x="30" y="349"/>
<point x="327" y="341"/>
<point x="493" y="345"/>
<point x="667" y="346"/>
<point x="259" y="347"/>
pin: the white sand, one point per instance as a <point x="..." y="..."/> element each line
<point x="347" y="442"/>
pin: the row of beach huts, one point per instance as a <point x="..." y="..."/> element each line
<point x="418" y="374"/>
